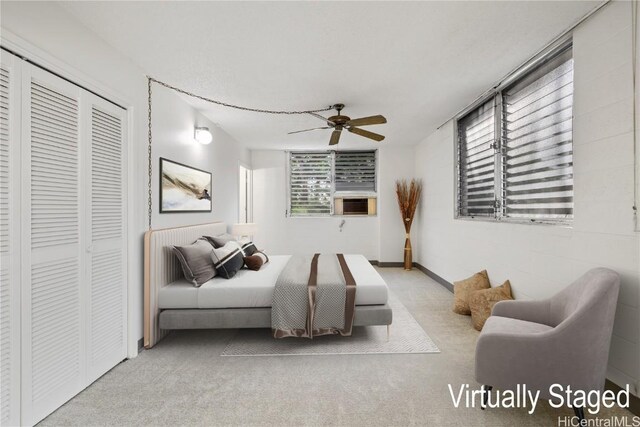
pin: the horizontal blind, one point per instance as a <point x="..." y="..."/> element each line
<point x="476" y="162"/>
<point x="538" y="142"/>
<point x="310" y="183"/>
<point x="355" y="171"/>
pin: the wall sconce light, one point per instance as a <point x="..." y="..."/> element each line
<point x="202" y="135"/>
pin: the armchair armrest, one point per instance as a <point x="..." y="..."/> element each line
<point x="531" y="311"/>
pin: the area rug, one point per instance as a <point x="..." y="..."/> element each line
<point x="407" y="336"/>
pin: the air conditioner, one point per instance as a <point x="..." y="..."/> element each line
<point x="355" y="205"/>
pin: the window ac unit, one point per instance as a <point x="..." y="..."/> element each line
<point x="365" y="206"/>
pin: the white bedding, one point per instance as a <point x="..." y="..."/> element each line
<point x="255" y="288"/>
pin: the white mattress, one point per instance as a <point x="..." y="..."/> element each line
<point x="255" y="288"/>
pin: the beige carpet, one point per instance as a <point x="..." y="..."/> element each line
<point x="184" y="381"/>
<point x="407" y="336"/>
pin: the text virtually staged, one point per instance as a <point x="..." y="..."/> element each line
<point x="524" y="398"/>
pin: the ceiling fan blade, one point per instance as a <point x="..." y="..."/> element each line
<point x="366" y="133"/>
<point x="364" y="121"/>
<point x="335" y="137"/>
<point x="307" y="130"/>
<point x="329" y="122"/>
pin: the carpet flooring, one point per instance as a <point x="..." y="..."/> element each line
<point x="407" y="336"/>
<point x="184" y="381"/>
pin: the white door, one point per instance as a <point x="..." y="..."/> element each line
<point x="9" y="240"/>
<point x="73" y="240"/>
<point x="52" y="293"/>
<point x="105" y="212"/>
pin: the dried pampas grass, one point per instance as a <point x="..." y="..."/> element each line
<point x="408" y="198"/>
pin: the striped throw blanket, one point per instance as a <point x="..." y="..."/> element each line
<point x="314" y="295"/>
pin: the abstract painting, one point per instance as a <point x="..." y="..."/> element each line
<point x="183" y="188"/>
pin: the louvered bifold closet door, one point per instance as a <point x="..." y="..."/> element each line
<point x="52" y="312"/>
<point x="310" y="183"/>
<point x="9" y="240"/>
<point x="105" y="266"/>
<point x="355" y="171"/>
<point x="476" y="162"/>
<point x="537" y="125"/>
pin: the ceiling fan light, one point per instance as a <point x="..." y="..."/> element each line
<point x="203" y="135"/>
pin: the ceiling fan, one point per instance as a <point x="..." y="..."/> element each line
<point x="340" y="122"/>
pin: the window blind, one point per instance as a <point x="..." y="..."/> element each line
<point x="310" y="183"/>
<point x="538" y="143"/>
<point x="355" y="171"/>
<point x="476" y="162"/>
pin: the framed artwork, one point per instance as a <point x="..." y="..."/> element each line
<point x="183" y="188"/>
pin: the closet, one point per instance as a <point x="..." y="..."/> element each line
<point x="62" y="240"/>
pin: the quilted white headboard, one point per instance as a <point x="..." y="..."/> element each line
<point x="161" y="267"/>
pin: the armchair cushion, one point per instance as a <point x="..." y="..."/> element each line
<point x="463" y="288"/>
<point x="481" y="302"/>
<point x="504" y="325"/>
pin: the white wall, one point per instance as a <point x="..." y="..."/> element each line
<point x="379" y="238"/>
<point x="173" y="122"/>
<point x="68" y="44"/>
<point x="540" y="260"/>
<point x="394" y="163"/>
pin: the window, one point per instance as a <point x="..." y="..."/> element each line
<point x="515" y="150"/>
<point x="476" y="156"/>
<point x="310" y="183"/>
<point x="245" y="194"/>
<point x="315" y="178"/>
<point x="355" y="171"/>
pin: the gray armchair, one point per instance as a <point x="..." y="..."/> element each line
<point x="561" y="340"/>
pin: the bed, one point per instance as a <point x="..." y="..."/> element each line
<point x="241" y="302"/>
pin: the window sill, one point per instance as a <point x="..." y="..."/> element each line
<point x="328" y="216"/>
<point x="557" y="223"/>
<point x="340" y="194"/>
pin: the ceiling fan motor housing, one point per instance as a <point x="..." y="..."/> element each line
<point x="340" y="122"/>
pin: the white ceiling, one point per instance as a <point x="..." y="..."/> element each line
<point x="417" y="63"/>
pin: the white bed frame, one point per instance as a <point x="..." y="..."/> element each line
<point x="161" y="268"/>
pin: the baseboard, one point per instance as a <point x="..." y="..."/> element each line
<point x="140" y="344"/>
<point x="634" y="401"/>
<point x="448" y="285"/>
<point x="390" y="264"/>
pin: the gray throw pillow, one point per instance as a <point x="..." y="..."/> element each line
<point x="196" y="262"/>
<point x="220" y="240"/>
<point x="228" y="259"/>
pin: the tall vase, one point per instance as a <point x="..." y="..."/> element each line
<point x="408" y="256"/>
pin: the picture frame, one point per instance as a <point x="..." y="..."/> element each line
<point x="184" y="189"/>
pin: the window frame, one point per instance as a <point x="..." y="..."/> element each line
<point x="333" y="192"/>
<point x="500" y="183"/>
